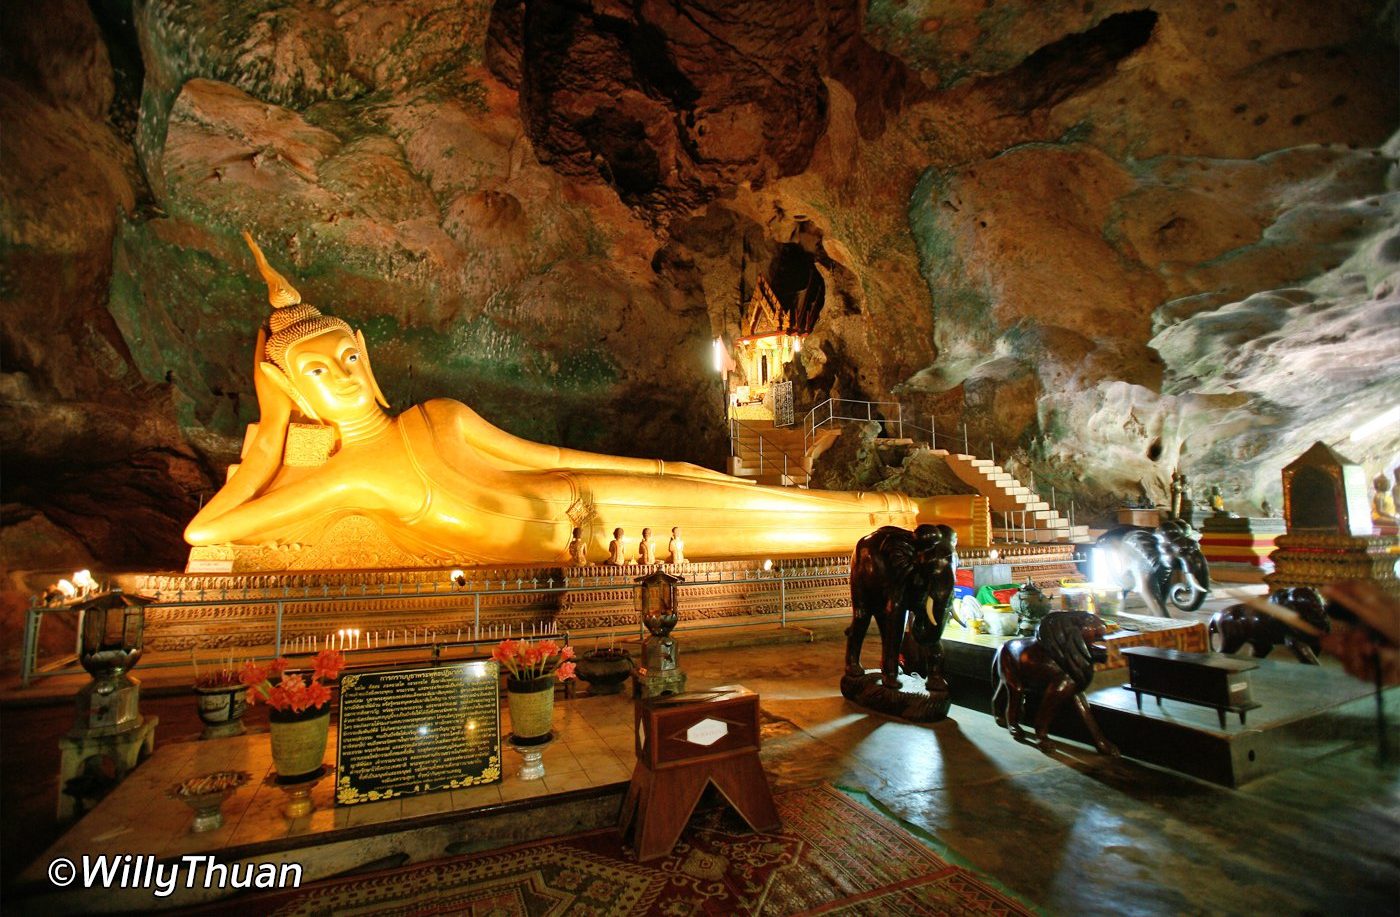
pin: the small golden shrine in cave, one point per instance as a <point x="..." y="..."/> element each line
<point x="1329" y="537"/>
<point x="772" y="337"/>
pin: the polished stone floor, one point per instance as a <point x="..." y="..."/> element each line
<point x="1076" y="833"/>
<point x="1068" y="831"/>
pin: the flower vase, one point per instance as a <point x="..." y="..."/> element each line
<point x="531" y="703"/>
<point x="299" y="741"/>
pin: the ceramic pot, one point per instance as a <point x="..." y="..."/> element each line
<point x="531" y="703"/>
<point x="221" y="710"/>
<point x="605" y="670"/>
<point x="299" y="741"/>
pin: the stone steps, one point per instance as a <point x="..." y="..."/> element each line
<point x="1024" y="515"/>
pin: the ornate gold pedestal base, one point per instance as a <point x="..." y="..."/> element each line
<point x="1303" y="559"/>
<point x="299" y="803"/>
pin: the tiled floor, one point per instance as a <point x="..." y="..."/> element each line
<point x="1068" y="830"/>
<point x="593" y="747"/>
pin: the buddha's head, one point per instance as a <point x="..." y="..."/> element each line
<point x="317" y="360"/>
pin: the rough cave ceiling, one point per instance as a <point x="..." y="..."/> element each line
<point x="1115" y="238"/>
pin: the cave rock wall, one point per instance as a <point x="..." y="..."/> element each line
<point x="1111" y="239"/>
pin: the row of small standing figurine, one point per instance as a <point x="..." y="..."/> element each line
<point x="646" y="549"/>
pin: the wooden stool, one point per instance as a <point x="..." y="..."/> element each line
<point x="684" y="742"/>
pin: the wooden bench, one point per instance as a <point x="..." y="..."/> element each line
<point x="1208" y="679"/>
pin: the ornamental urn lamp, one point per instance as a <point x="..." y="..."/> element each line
<point x="112" y="627"/>
<point x="660" y="673"/>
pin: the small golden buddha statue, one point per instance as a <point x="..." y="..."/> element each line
<point x="578" y="548"/>
<point x="1382" y="503"/>
<point x="676" y="547"/>
<point x="646" y="548"/>
<point x="440" y="484"/>
<point x="616" y="555"/>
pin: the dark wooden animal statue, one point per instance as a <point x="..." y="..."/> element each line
<point x="1059" y="662"/>
<point x="896" y="574"/>
<point x="1234" y="627"/>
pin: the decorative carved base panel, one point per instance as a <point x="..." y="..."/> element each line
<point x="868" y="692"/>
<point x="238" y="612"/>
<point x="1302" y="559"/>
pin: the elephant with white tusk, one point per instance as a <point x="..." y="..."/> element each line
<point x="1161" y="565"/>
<point x="904" y="581"/>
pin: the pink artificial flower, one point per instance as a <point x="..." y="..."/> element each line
<point x="567" y="653"/>
<point x="565" y="671"/>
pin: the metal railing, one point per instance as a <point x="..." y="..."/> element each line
<point x="835" y="410"/>
<point x="469" y="630"/>
<point x="838" y="409"/>
<point x="738" y="428"/>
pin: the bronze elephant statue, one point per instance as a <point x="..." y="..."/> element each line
<point x="900" y="577"/>
<point x="1161" y="565"/>
<point x="1239" y="625"/>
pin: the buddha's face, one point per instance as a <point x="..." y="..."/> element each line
<point x="332" y="375"/>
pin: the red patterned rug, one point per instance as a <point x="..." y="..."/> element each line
<point x="832" y="856"/>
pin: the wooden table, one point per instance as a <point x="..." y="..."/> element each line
<point x="1208" y="679"/>
<point x="685" y="742"/>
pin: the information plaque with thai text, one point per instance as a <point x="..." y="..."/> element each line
<point x="409" y="731"/>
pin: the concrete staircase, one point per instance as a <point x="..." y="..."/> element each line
<point x="1012" y="502"/>
<point x="775" y="455"/>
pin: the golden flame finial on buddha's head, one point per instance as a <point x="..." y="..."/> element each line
<point x="291" y="320"/>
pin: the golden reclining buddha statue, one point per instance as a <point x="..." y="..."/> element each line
<point x="329" y="479"/>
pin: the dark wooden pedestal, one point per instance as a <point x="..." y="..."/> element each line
<point x="683" y="743"/>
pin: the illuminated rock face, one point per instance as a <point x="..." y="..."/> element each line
<point x="1114" y="240"/>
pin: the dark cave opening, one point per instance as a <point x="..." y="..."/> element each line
<point x="1062" y="68"/>
<point x="799" y="286"/>
<point x="628" y="160"/>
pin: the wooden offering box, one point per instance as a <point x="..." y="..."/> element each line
<point x="1208" y="679"/>
<point x="685" y="742"/>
